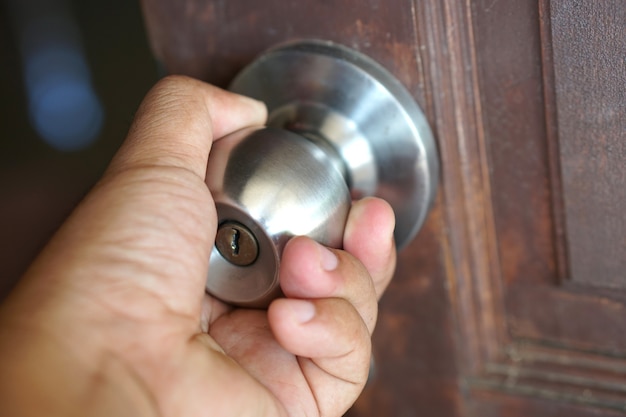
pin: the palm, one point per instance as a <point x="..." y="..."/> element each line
<point x="247" y="338"/>
<point x="298" y="385"/>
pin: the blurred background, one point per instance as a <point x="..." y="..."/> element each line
<point x="72" y="74"/>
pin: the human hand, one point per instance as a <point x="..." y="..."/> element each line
<point x="112" y="318"/>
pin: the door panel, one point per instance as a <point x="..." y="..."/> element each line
<point x="589" y="45"/>
<point x="510" y="302"/>
<point x="557" y="155"/>
<point x="554" y="134"/>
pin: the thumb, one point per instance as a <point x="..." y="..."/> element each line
<point x="177" y="122"/>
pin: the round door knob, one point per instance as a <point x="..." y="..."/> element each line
<point x="268" y="185"/>
<point x="340" y="128"/>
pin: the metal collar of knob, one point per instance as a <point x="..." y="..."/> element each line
<point x="340" y="127"/>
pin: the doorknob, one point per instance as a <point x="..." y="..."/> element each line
<point x="340" y="128"/>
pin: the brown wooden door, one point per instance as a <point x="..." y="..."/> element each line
<point x="511" y="301"/>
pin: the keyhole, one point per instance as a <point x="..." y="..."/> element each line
<point x="234" y="241"/>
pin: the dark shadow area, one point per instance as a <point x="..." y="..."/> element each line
<point x="72" y="76"/>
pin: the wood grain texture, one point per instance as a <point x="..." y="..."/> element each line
<point x="589" y="43"/>
<point x="494" y="404"/>
<point x="549" y="374"/>
<point x="509" y="62"/>
<point x="472" y="262"/>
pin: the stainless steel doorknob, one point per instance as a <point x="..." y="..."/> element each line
<point x="340" y="127"/>
<point x="268" y="185"/>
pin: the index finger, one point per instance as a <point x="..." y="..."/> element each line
<point x="369" y="238"/>
<point x="183" y="137"/>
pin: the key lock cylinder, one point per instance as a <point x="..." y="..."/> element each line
<point x="340" y="128"/>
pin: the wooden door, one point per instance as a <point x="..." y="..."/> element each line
<point x="511" y="301"/>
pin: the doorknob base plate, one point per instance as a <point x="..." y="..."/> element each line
<point x="360" y="114"/>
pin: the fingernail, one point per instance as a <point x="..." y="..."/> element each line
<point x="303" y="310"/>
<point x="328" y="259"/>
<point x="255" y="103"/>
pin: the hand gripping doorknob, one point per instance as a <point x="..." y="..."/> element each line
<point x="340" y="128"/>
